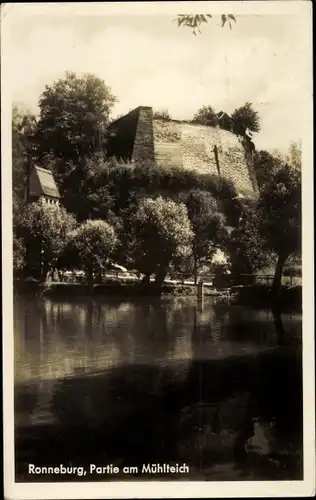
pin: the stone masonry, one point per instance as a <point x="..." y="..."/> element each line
<point x="174" y="144"/>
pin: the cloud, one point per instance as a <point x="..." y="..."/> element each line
<point x="159" y="65"/>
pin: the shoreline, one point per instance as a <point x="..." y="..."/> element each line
<point x="114" y="289"/>
<point x="289" y="298"/>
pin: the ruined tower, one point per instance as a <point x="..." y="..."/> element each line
<point x="174" y="144"/>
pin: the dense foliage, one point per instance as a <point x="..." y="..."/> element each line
<point x="90" y="246"/>
<point x="111" y="187"/>
<point x="279" y="212"/>
<point x="206" y="116"/>
<point x="265" y="165"/>
<point x="151" y="219"/>
<point x="72" y="126"/>
<point x="23" y="130"/>
<point x="245" y="118"/>
<point x="18" y="253"/>
<point x="74" y="113"/>
<point x="245" y="246"/>
<point x="162" y="235"/>
<point x="208" y="225"/>
<point x="44" y="229"/>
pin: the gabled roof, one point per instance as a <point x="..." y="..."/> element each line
<point x="47" y="182"/>
<point x="223" y="114"/>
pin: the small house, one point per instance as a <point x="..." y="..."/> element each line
<point x="225" y="121"/>
<point x="42" y="187"/>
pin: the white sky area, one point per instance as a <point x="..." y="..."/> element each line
<point x="149" y="61"/>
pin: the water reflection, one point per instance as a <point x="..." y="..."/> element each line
<point x="159" y="381"/>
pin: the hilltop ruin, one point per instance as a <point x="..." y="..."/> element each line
<point x="138" y="137"/>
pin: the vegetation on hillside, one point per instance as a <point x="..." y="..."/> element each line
<point x="162" y="114"/>
<point x="206" y="116"/>
<point x="245" y="118"/>
<point x="72" y="126"/>
<point x="149" y="219"/>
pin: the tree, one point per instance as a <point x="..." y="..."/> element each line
<point x="206" y="116"/>
<point x="279" y="212"/>
<point x="90" y="246"/>
<point x="74" y="114"/>
<point x="294" y="155"/>
<point x="162" y="235"/>
<point x="23" y="131"/>
<point x="45" y="229"/>
<point x="162" y="114"/>
<point x="194" y="21"/>
<point x="245" y="246"/>
<point x="18" y="254"/>
<point x="208" y="227"/>
<point x="266" y="166"/>
<point x="245" y="118"/>
<point x="87" y="190"/>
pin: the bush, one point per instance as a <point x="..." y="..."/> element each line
<point x="90" y="247"/>
<point x="206" y="116"/>
<point x="162" y="114"/>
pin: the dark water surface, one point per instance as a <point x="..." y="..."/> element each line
<point x="212" y="385"/>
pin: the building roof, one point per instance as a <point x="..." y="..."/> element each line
<point x="47" y="182"/>
<point x="223" y="114"/>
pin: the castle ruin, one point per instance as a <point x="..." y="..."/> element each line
<point x="139" y="137"/>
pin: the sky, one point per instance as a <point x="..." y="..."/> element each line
<point x="147" y="60"/>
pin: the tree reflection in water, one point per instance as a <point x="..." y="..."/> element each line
<point x="177" y="391"/>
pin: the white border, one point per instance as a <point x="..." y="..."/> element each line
<point x="155" y="489"/>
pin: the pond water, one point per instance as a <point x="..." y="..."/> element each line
<point x="106" y="381"/>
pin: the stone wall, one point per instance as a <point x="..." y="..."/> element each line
<point x="179" y="145"/>
<point x="191" y="147"/>
<point x="143" y="150"/>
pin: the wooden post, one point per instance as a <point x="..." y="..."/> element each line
<point x="200" y="305"/>
<point x="200" y="290"/>
<point x="217" y="160"/>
